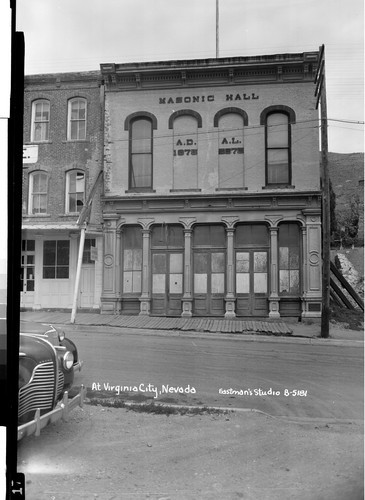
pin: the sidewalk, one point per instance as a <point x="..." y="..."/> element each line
<point x="289" y="329"/>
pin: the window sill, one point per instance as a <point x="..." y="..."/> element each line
<point x="278" y="186"/>
<point x="36" y="143"/>
<point x="75" y="140"/>
<point x="36" y="216"/>
<point x="141" y="190"/>
<point x="232" y="189"/>
<point x="192" y="190"/>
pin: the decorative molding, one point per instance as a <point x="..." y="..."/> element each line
<point x="230" y="221"/>
<point x="187" y="221"/>
<point x="146" y="223"/>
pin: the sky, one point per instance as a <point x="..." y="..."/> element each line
<point x="79" y="35"/>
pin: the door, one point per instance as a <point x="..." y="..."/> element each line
<point x="209" y="283"/>
<point x="87" y="286"/>
<point x="87" y="277"/>
<point x="252" y="283"/>
<point x="27" y="273"/>
<point x="167" y="283"/>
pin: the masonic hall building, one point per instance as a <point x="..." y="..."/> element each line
<point x="211" y="202"/>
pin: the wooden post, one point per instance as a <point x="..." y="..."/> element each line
<point x="326" y="223"/>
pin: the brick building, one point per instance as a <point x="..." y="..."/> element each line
<point x="63" y="151"/>
<point x="211" y="202"/>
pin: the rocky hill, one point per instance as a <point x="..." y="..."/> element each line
<point x="347" y="176"/>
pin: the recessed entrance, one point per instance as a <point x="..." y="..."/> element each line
<point x="252" y="264"/>
<point x="167" y="263"/>
<point x="209" y="266"/>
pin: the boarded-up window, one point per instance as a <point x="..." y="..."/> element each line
<point x="252" y="235"/>
<point x="289" y="259"/>
<point x="230" y="151"/>
<point x="132" y="259"/>
<point x="209" y="236"/>
<point x="185" y="152"/>
<point x="167" y="236"/>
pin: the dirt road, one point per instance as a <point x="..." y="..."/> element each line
<point x="114" y="453"/>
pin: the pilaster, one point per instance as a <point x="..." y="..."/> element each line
<point x="274" y="298"/>
<point x="230" y="298"/>
<point x="187" y="300"/>
<point x="145" y="298"/>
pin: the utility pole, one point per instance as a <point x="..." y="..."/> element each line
<point x="82" y="222"/>
<point x="320" y="92"/>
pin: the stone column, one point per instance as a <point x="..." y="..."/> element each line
<point x="145" y="298"/>
<point x="274" y="274"/>
<point x="230" y="298"/>
<point x="187" y="300"/>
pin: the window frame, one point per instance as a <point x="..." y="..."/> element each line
<point x="31" y="192"/>
<point x="34" y="121"/>
<point x="67" y="191"/>
<point x="286" y="148"/>
<point x="290" y="293"/>
<point x="131" y="123"/>
<point x="70" y="120"/>
<point x="56" y="265"/>
<point x="132" y="244"/>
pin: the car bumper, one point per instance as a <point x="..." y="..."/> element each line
<point x="60" y="411"/>
<point x="78" y="365"/>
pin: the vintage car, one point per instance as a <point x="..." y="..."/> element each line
<point x="47" y="365"/>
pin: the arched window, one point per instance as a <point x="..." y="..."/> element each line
<point x="40" y="121"/>
<point x="76" y="122"/>
<point x="140" y="153"/>
<point x="38" y="187"/>
<point x="75" y="191"/>
<point x="231" y="148"/>
<point x="185" y="124"/>
<point x="277" y="121"/>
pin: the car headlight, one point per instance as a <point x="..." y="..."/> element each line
<point x="68" y="360"/>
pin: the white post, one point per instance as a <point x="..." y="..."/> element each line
<point x="78" y="273"/>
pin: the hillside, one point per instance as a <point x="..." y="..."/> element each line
<point x="347" y="177"/>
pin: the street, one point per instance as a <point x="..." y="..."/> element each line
<point x="304" y="446"/>
<point x="278" y="378"/>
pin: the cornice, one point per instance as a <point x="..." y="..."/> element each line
<point x="206" y="203"/>
<point x="281" y="68"/>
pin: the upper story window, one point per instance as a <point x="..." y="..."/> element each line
<point x="185" y="124"/>
<point x="278" y="149"/>
<point x="38" y="187"/>
<point x="230" y="123"/>
<point x="40" y="121"/>
<point x="75" y="191"/>
<point x="140" y="153"/>
<point x="76" y="123"/>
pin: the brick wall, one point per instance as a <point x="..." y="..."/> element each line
<point x="57" y="156"/>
